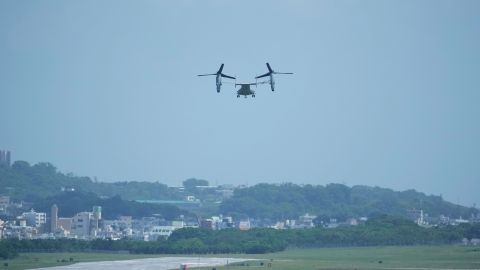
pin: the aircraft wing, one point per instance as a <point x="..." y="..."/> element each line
<point x="264" y="82"/>
<point x="264" y="75"/>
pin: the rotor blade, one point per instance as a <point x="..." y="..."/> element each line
<point x="264" y="75"/>
<point x="269" y="68"/>
<point x="207" y="74"/>
<point x="226" y="76"/>
<point x="282" y="73"/>
<point x="220" y="69"/>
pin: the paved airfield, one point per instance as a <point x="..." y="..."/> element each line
<point x="150" y="264"/>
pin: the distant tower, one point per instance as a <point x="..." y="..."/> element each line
<point x="2" y="157"/>
<point x="54" y="218"/>
<point x="8" y="158"/>
<point x="97" y="216"/>
<point x="5" y="157"/>
<point x="97" y="212"/>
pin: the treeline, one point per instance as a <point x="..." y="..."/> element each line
<point x="288" y="201"/>
<point x="248" y="243"/>
<point x="7" y="250"/>
<point x="28" y="182"/>
<point x="380" y="231"/>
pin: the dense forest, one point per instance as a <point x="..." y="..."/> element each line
<point x="379" y="231"/>
<point x="288" y="201"/>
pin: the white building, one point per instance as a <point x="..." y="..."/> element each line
<point x="459" y="221"/>
<point x="178" y="224"/>
<point x="87" y="224"/>
<point x="306" y="221"/>
<point x="81" y="224"/>
<point x="35" y="219"/>
<point x="160" y="231"/>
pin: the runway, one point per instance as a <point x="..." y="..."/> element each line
<point x="164" y="263"/>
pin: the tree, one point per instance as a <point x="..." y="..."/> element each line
<point x="192" y="183"/>
<point x="21" y="166"/>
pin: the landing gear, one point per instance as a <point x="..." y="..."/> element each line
<point x="253" y="95"/>
<point x="238" y="96"/>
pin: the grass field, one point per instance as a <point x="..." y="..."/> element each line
<point x="422" y="257"/>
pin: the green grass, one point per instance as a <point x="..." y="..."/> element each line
<point x="426" y="257"/>
<point x="38" y="260"/>
<point x="360" y="258"/>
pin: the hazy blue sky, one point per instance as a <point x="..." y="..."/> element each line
<point x="385" y="93"/>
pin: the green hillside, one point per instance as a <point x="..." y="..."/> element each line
<point x="287" y="201"/>
<point x="26" y="182"/>
<point x="43" y="182"/>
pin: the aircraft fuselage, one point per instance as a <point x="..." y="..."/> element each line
<point x="245" y="90"/>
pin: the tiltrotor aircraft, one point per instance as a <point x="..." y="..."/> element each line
<point x="245" y="88"/>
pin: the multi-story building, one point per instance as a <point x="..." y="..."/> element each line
<point x="5" y="157"/>
<point x="35" y="219"/>
<point x="86" y="224"/>
<point x="4" y="203"/>
<point x="305" y="221"/>
<point x="81" y="224"/>
<point x="160" y="231"/>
